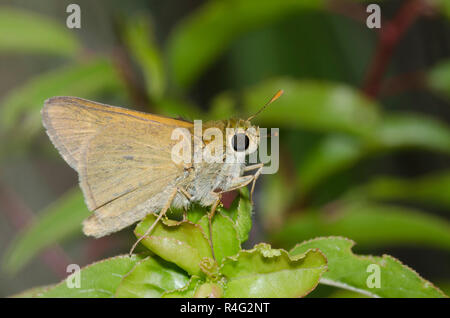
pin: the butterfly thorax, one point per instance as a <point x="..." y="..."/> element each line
<point x="228" y="128"/>
<point x="216" y="177"/>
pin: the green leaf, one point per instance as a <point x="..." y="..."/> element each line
<point x="266" y="272"/>
<point x="98" y="280"/>
<point x="334" y="153"/>
<point x="338" y="152"/>
<point x="150" y="278"/>
<point x="350" y="271"/>
<point x="222" y="106"/>
<point x="188" y="291"/>
<point x="196" y="212"/>
<point x="445" y="7"/>
<point x="26" y="32"/>
<point x="277" y="195"/>
<point x="59" y="221"/>
<point x="431" y="189"/>
<point x="240" y="213"/>
<point x="412" y="130"/>
<point x="438" y="77"/>
<point x="140" y="41"/>
<point x="369" y="224"/>
<point x="33" y="292"/>
<point x="224" y="235"/>
<point x="183" y="243"/>
<point x="204" y="35"/>
<point x="24" y="104"/>
<point x="243" y="220"/>
<point x="311" y="105"/>
<point x="209" y="290"/>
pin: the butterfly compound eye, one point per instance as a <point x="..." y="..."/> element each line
<point x="240" y="142"/>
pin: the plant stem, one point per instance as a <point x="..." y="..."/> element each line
<point x="390" y="35"/>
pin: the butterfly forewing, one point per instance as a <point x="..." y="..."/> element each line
<point x="118" y="160"/>
<point x="123" y="158"/>
<point x="71" y="121"/>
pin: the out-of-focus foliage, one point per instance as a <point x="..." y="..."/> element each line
<point x="25" y="103"/>
<point x="147" y="54"/>
<point x="59" y="221"/>
<point x="369" y="224"/>
<point x="337" y="107"/>
<point x="445" y="7"/>
<point x="329" y="129"/>
<point x="431" y="189"/>
<point x="26" y="32"/>
<point x="193" y="46"/>
<point x="439" y="78"/>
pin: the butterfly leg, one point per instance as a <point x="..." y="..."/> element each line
<point x="160" y="215"/>
<point x="253" y="167"/>
<point x="210" y="216"/>
<point x="245" y="180"/>
<point x="189" y="197"/>
<point x="185" y="193"/>
<point x="239" y="183"/>
<point x="259" y="167"/>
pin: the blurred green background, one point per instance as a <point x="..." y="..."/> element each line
<point x="364" y="121"/>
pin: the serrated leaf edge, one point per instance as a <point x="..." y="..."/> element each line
<point x="330" y="282"/>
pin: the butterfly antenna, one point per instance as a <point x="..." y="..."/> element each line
<point x="274" y="98"/>
<point x="274" y="134"/>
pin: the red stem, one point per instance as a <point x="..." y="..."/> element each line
<point x="348" y="8"/>
<point x="390" y="35"/>
<point x="399" y="83"/>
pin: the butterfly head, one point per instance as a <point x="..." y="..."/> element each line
<point x="244" y="136"/>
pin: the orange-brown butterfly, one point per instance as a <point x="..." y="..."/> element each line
<point x="125" y="165"/>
